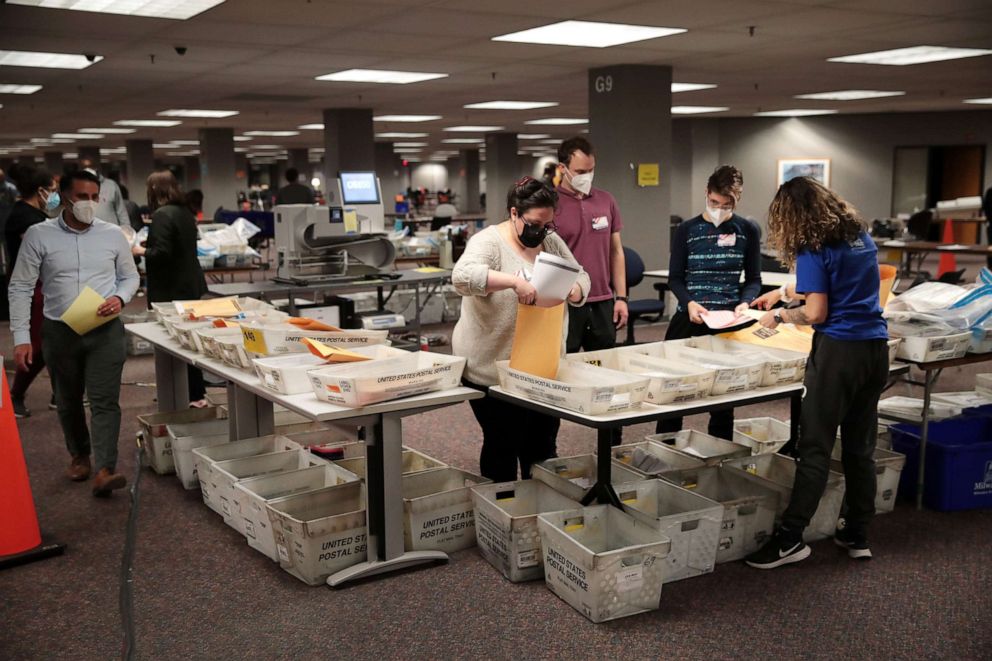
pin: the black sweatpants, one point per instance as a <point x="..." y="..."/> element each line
<point x="721" y="422"/>
<point x="844" y="380"/>
<point x="591" y="328"/>
<point x="511" y="435"/>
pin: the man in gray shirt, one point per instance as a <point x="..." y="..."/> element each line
<point x="111" y="207"/>
<point x="294" y="192"/>
<point x="67" y="254"/>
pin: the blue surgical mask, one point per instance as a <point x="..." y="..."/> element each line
<point x="52" y="203"/>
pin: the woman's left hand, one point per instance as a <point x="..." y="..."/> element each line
<point x="575" y="294"/>
<point x="768" y="320"/>
<point x="741" y="309"/>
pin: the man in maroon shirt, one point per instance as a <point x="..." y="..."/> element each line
<point x="589" y="221"/>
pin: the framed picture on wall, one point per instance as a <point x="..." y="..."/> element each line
<point x="816" y="168"/>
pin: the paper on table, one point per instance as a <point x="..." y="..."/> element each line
<point x="306" y="323"/>
<point x="430" y="269"/>
<point x="332" y="354"/>
<point x="553" y="278"/>
<point x="719" y="319"/>
<point x="953" y="246"/>
<point x="211" y="307"/>
<point x="537" y="340"/>
<point x="81" y="315"/>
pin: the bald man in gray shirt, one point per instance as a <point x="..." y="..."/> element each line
<point x="67" y="254"/>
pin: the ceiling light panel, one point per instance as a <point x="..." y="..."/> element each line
<point x="271" y="134"/>
<point x="380" y="76"/>
<point x="901" y="57"/>
<point x="795" y="112"/>
<point x="985" y="101"/>
<point x="18" y="89"/>
<point x="406" y="118"/>
<point x="697" y="110"/>
<point x="42" y="60"/>
<point x="589" y="34"/>
<point x="206" y="114"/>
<point x="474" y="129"/>
<point x="511" y="105"/>
<point x="533" y="136"/>
<point x="557" y="121"/>
<point x="690" y="87"/>
<point x="311" y="127"/>
<point x="848" y="95"/>
<point x="409" y="144"/>
<point x="401" y="134"/>
<point x="109" y="131"/>
<point x="179" y="10"/>
<point x="148" y="123"/>
<point x="463" y="141"/>
<point x="77" y="136"/>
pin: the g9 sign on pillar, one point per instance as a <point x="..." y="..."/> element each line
<point x="604" y="84"/>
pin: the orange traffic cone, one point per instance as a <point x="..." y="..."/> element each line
<point x="948" y="263"/>
<point x="20" y="538"/>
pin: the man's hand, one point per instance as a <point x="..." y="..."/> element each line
<point x="112" y="306"/>
<point x="23" y="355"/>
<point x="696" y="312"/>
<point x="620" y="313"/>
<point x="768" y="320"/>
<point x="137" y="251"/>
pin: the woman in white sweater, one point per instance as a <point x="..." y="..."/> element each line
<point x="487" y="276"/>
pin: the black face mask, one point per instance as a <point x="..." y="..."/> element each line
<point x="532" y="236"/>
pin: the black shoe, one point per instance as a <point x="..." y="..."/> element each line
<point x="777" y="551"/>
<point x="20" y="410"/>
<point x="855" y="543"/>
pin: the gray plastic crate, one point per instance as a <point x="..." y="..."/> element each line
<point x="709" y="449"/>
<point x="574" y="476"/>
<point x="690" y="520"/>
<point x="506" y="525"/>
<point x="158" y="443"/>
<point x="413" y="462"/>
<point x="206" y="458"/>
<point x="888" y="469"/>
<point x="603" y="562"/>
<point x="650" y="459"/>
<point x="438" y="514"/>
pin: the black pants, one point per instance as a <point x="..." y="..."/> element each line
<point x="92" y="364"/>
<point x="721" y="422"/>
<point x="197" y="387"/>
<point x="511" y="435"/>
<point x="843" y="383"/>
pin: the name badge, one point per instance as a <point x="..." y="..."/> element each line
<point x="600" y="223"/>
<point x="726" y="240"/>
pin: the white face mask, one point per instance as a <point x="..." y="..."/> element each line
<point x="582" y="183"/>
<point x="84" y="211"/>
<point x="718" y="216"/>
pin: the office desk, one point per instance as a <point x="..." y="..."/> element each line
<point x="919" y="250"/>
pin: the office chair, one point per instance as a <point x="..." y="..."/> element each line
<point x="952" y="277"/>
<point x="646" y="309"/>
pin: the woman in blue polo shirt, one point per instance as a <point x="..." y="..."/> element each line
<point x="837" y="275"/>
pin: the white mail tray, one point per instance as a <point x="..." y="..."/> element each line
<point x="362" y="384"/>
<point x="671" y="380"/>
<point x="732" y="375"/>
<point x="577" y="387"/>
<point x="290" y="374"/>
<point x="275" y="339"/>
<point x="781" y="365"/>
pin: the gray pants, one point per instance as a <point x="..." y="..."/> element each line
<point x="90" y="364"/>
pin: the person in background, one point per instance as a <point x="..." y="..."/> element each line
<point x="133" y="210"/>
<point x="39" y="201"/>
<point x="172" y="269"/>
<point x="837" y="275"/>
<point x="487" y="277"/>
<point x="111" y="208"/>
<point x="294" y="192"/>
<point x="709" y="254"/>
<point x="987" y="210"/>
<point x="194" y="200"/>
<point x="68" y="253"/>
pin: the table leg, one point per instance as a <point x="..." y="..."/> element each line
<point x="928" y="381"/>
<point x="171" y="382"/>
<point x="603" y="492"/>
<point x="384" y="511"/>
<point x="416" y="314"/>
<point x="249" y="415"/>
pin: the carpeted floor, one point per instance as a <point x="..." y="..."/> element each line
<point x="201" y="592"/>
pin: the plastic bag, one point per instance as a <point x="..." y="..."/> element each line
<point x="911" y="324"/>
<point x="927" y="297"/>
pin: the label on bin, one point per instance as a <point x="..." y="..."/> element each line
<point x="254" y="341"/>
<point x="529" y="558"/>
<point x="283" y="553"/>
<point x="630" y="578"/>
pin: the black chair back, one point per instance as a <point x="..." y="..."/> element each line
<point x="635" y="268"/>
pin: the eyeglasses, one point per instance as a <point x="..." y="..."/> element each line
<point x="550" y="228"/>
<point x="721" y="207"/>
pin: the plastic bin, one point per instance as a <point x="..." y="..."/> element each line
<point x="320" y="532"/>
<point x="983" y="384"/>
<point x="734" y="373"/>
<point x="290" y="374"/>
<point x="577" y="387"/>
<point x="205" y="458"/>
<point x="762" y="435"/>
<point x="929" y="349"/>
<point x="186" y="334"/>
<point x="232" y="348"/>
<point x="574" y="476"/>
<point x="413" y="462"/>
<point x="894" y="349"/>
<point x="362" y="384"/>
<point x="158" y="443"/>
<point x="709" y="449"/>
<point x="779" y="473"/>
<point x="506" y="525"/>
<point x="209" y="337"/>
<point x="671" y="381"/>
<point x="690" y="520"/>
<point x="185" y="437"/>
<point x="650" y="459"/>
<point x="888" y="469"/>
<point x="438" y="511"/>
<point x="749" y="509"/>
<point x="958" y="463"/>
<point x="780" y="365"/>
<point x="275" y="339"/>
<point x="603" y="562"/>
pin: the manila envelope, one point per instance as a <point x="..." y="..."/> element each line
<point x="537" y="340"/>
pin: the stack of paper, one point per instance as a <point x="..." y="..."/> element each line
<point x="553" y="278"/>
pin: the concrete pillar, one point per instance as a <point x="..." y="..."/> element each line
<point x="280" y="167"/>
<point x="91" y="152"/>
<point x="389" y="169"/>
<point x="349" y="144"/>
<point x="26" y="159"/>
<point x="191" y="172"/>
<point x="140" y="164"/>
<point x="502" y="169"/>
<point x="468" y="201"/>
<point x="54" y="162"/>
<point x="217" y="181"/>
<point x="6" y="163"/>
<point x="630" y="123"/>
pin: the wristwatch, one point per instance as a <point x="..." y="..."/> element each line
<point x="778" y="317"/>
<point x="621" y="298"/>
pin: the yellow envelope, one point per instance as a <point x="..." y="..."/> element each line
<point x="429" y="269"/>
<point x="212" y="307"/>
<point x="81" y="315"/>
<point x="350" y="221"/>
<point x="537" y="340"/>
<point x="332" y="354"/>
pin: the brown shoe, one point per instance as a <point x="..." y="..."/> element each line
<point x="79" y="470"/>
<point x="105" y="482"/>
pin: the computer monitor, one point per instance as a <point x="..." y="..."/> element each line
<point x="359" y="188"/>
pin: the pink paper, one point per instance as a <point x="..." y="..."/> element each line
<point x="720" y="319"/>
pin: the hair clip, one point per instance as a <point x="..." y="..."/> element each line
<point x="522" y="181"/>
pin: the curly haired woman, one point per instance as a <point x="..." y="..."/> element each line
<point x="837" y="273"/>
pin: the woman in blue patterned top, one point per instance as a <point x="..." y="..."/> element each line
<point x="709" y="254"/>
